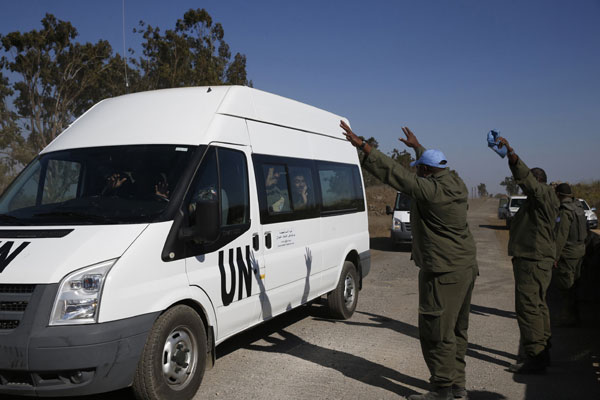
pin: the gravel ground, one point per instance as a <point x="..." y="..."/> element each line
<point x="376" y="354"/>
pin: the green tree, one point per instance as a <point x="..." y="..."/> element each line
<point x="194" y="53"/>
<point x="482" y="190"/>
<point x="58" y="80"/>
<point x="403" y="158"/>
<point x="510" y="185"/>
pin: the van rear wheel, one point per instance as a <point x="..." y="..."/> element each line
<point x="174" y="357"/>
<point x="342" y="301"/>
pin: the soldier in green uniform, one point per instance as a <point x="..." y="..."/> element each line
<point x="443" y="249"/>
<point x="571" y="230"/>
<point x="533" y="248"/>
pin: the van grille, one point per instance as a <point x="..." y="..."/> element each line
<point x="8" y="324"/>
<point x="16" y="289"/>
<point x="14" y="300"/>
<point x="407" y="226"/>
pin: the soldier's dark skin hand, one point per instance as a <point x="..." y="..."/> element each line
<point x="355" y="140"/>
<point x="512" y="156"/>
<point x="411" y="139"/>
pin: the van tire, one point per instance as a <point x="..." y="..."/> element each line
<point x="342" y="301"/>
<point x="180" y="329"/>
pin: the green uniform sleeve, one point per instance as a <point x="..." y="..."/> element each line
<point x="525" y="179"/>
<point x="419" y="152"/>
<point x="392" y="173"/>
<point x="562" y="231"/>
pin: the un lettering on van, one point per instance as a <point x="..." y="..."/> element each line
<point x="5" y="253"/>
<point x="241" y="273"/>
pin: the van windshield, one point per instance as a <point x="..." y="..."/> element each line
<point x="99" y="185"/>
<point x="517" y="203"/>
<point x="402" y="203"/>
<point x="584" y="205"/>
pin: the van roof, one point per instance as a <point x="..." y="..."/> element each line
<point x="184" y="115"/>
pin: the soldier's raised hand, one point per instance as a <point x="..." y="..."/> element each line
<point x="411" y="139"/>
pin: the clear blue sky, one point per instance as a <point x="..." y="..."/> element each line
<point x="449" y="70"/>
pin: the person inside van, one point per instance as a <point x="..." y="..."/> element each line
<point x="300" y="192"/>
<point x="277" y="198"/>
<point x="118" y="183"/>
<point x="161" y="188"/>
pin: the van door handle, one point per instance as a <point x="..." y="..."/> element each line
<point x="255" y="243"/>
<point x="268" y="240"/>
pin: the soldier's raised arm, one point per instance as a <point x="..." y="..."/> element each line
<point x="524" y="177"/>
<point x="389" y="171"/>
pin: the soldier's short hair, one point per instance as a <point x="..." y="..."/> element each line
<point x="539" y="174"/>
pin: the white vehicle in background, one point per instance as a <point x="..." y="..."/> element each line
<point x="502" y="207"/>
<point x="514" y="203"/>
<point x="401" y="232"/>
<point x="159" y="224"/>
<point x="592" y="218"/>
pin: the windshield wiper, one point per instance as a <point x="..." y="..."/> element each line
<point x="12" y="220"/>
<point x="73" y="215"/>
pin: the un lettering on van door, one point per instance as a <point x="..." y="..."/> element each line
<point x="242" y="274"/>
<point x="6" y="256"/>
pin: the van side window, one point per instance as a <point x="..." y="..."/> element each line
<point x="277" y="188"/>
<point x="235" y="207"/>
<point x="341" y="189"/>
<point x="223" y="177"/>
<point x="206" y="184"/>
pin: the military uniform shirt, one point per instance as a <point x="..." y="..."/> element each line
<point x="566" y="217"/>
<point x="442" y="241"/>
<point x="532" y="233"/>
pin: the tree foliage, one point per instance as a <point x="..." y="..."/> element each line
<point x="482" y="190"/>
<point x="55" y="79"/>
<point x="192" y="54"/>
<point x="511" y="186"/>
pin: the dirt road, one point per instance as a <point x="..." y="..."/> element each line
<point x="376" y="354"/>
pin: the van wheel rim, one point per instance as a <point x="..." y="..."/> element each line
<point x="179" y="358"/>
<point x="349" y="291"/>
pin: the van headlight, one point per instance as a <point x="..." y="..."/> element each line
<point x="397" y="224"/>
<point x="79" y="293"/>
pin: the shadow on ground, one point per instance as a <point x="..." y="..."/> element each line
<point x="575" y="369"/>
<point x="495" y="227"/>
<point x="386" y="244"/>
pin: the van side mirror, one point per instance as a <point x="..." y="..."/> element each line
<point x="206" y="223"/>
<point x="388" y="210"/>
<point x="593" y="209"/>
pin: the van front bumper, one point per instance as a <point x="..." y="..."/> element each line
<point x="399" y="236"/>
<point x="51" y="361"/>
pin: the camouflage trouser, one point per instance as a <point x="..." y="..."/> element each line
<point x="444" y="305"/>
<point x="532" y="279"/>
<point x="567" y="272"/>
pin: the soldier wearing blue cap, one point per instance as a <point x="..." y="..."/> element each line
<point x="444" y="250"/>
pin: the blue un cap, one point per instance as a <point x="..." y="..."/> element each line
<point x="433" y="158"/>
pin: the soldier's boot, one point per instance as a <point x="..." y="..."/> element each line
<point x="533" y="365"/>
<point x="459" y="393"/>
<point x="438" y="394"/>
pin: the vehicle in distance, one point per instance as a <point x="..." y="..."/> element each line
<point x="400" y="232"/>
<point x="502" y="207"/>
<point x="512" y="207"/>
<point x="590" y="215"/>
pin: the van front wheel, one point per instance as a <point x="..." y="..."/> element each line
<point x="174" y="357"/>
<point x="342" y="301"/>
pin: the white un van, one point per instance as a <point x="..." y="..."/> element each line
<point x="160" y="224"/>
